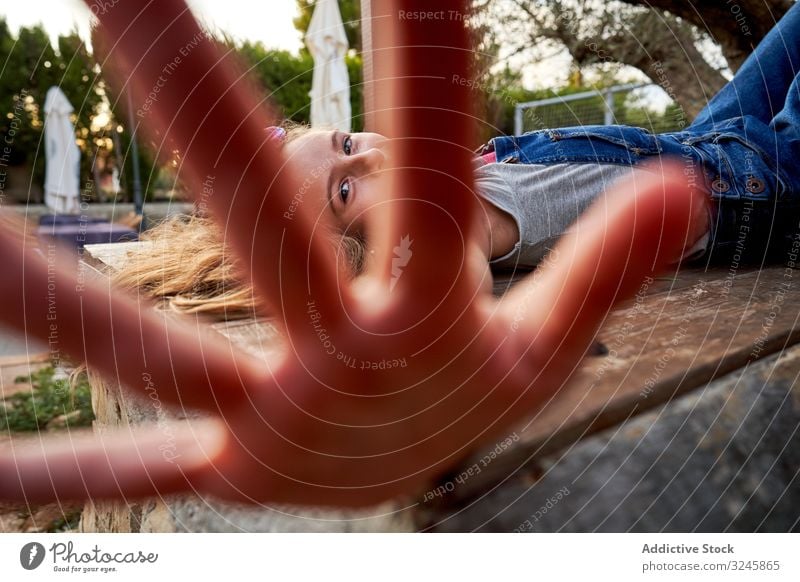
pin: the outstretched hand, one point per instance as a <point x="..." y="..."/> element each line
<point x="327" y="421"/>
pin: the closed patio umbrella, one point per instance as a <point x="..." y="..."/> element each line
<point x="62" y="170"/>
<point x="330" y="90"/>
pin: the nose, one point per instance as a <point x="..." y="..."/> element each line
<point x="371" y="160"/>
<point x="380" y="141"/>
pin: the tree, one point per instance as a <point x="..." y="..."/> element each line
<point x="660" y="38"/>
<point x="736" y="26"/>
<point x="286" y="79"/>
<point x="109" y="85"/>
<point x="31" y="67"/>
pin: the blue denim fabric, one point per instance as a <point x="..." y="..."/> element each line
<point x="743" y="148"/>
<point x="733" y="165"/>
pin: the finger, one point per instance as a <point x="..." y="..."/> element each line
<point x="422" y="103"/>
<point x="45" y="297"/>
<point x="193" y="99"/>
<point x="80" y="465"/>
<point x="637" y="230"/>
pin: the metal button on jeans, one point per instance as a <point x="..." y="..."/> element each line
<point x="720" y="185"/>
<point x="754" y="185"/>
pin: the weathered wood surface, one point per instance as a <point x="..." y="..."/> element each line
<point x="676" y="336"/>
<point x="662" y="345"/>
<point x="722" y="458"/>
<point x="110" y="257"/>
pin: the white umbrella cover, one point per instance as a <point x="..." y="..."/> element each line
<point x="63" y="158"/>
<point x="330" y="89"/>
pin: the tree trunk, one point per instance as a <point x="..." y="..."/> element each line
<point x="736" y="25"/>
<point x="664" y="50"/>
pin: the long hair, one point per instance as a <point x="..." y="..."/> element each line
<point x="185" y="266"/>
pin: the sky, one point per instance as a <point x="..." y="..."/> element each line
<point x="269" y="21"/>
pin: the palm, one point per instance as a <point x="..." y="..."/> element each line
<point x="312" y="425"/>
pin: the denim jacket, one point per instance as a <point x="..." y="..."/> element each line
<point x="729" y="160"/>
<point x="732" y="155"/>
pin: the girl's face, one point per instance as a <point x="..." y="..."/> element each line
<point x="341" y="172"/>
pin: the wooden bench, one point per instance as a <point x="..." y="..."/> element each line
<point x="687" y="421"/>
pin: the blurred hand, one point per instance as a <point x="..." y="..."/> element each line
<point x="383" y="384"/>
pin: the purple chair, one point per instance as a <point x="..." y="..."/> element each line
<point x="59" y="219"/>
<point x="77" y="235"/>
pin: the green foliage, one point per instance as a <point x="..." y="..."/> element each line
<point x="48" y="399"/>
<point x="351" y="16"/>
<point x="286" y="80"/>
<point x="634" y="113"/>
<point x="117" y="101"/>
<point x="356" y="72"/>
<point x="500" y="92"/>
<point x="32" y="66"/>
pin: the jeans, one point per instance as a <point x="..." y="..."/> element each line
<point x="764" y="91"/>
<point x="765" y="86"/>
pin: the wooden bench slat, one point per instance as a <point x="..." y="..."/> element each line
<point x="663" y="345"/>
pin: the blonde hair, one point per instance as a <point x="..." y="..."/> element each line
<point x="187" y="267"/>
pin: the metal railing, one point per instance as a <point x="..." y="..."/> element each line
<point x="601" y="106"/>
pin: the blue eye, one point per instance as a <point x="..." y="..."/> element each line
<point x="347" y="145"/>
<point x="344" y="191"/>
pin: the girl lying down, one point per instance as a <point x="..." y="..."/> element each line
<point x="741" y="150"/>
<point x="300" y="426"/>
